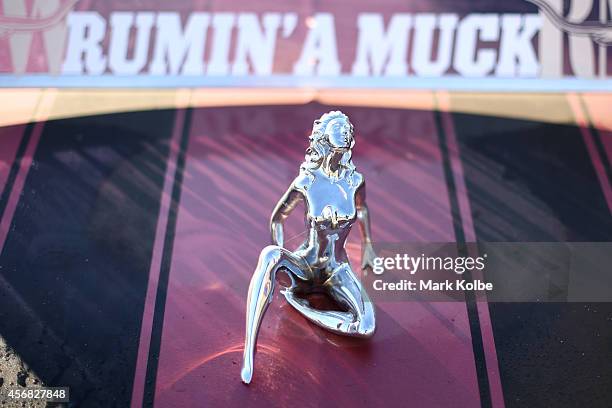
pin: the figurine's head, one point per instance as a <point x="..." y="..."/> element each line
<point x="331" y="134"/>
<point x="334" y="130"/>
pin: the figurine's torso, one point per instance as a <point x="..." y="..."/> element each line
<point x="330" y="213"/>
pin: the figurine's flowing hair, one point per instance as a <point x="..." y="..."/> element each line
<point x="318" y="148"/>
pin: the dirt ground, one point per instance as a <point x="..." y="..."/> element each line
<point x="14" y="373"/>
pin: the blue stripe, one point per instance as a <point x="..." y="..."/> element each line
<point x="451" y="83"/>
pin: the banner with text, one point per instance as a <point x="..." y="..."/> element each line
<point x="304" y="41"/>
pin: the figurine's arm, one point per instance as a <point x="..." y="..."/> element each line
<point x="282" y="210"/>
<point x="363" y="215"/>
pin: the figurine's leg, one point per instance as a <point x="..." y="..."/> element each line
<point x="332" y="320"/>
<point x="344" y="287"/>
<point x="260" y="295"/>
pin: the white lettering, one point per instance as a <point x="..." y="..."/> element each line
<point x="425" y="24"/>
<point x="87" y="29"/>
<point x="468" y="61"/>
<point x="319" y="55"/>
<point x="257" y="45"/>
<point x="516" y="55"/>
<point x="378" y="46"/>
<point x="121" y="23"/>
<point x="173" y="44"/>
<point x="223" y="23"/>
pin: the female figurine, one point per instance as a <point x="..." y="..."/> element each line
<point x="334" y="196"/>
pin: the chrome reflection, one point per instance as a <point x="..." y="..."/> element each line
<point x="335" y="197"/>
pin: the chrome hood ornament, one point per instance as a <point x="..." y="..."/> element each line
<point x="334" y="196"/>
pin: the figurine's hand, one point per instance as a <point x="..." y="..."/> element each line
<point x="367" y="256"/>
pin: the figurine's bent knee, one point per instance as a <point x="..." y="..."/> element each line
<point x="367" y="321"/>
<point x="270" y="255"/>
<point x="274" y="257"/>
<point x="269" y="258"/>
